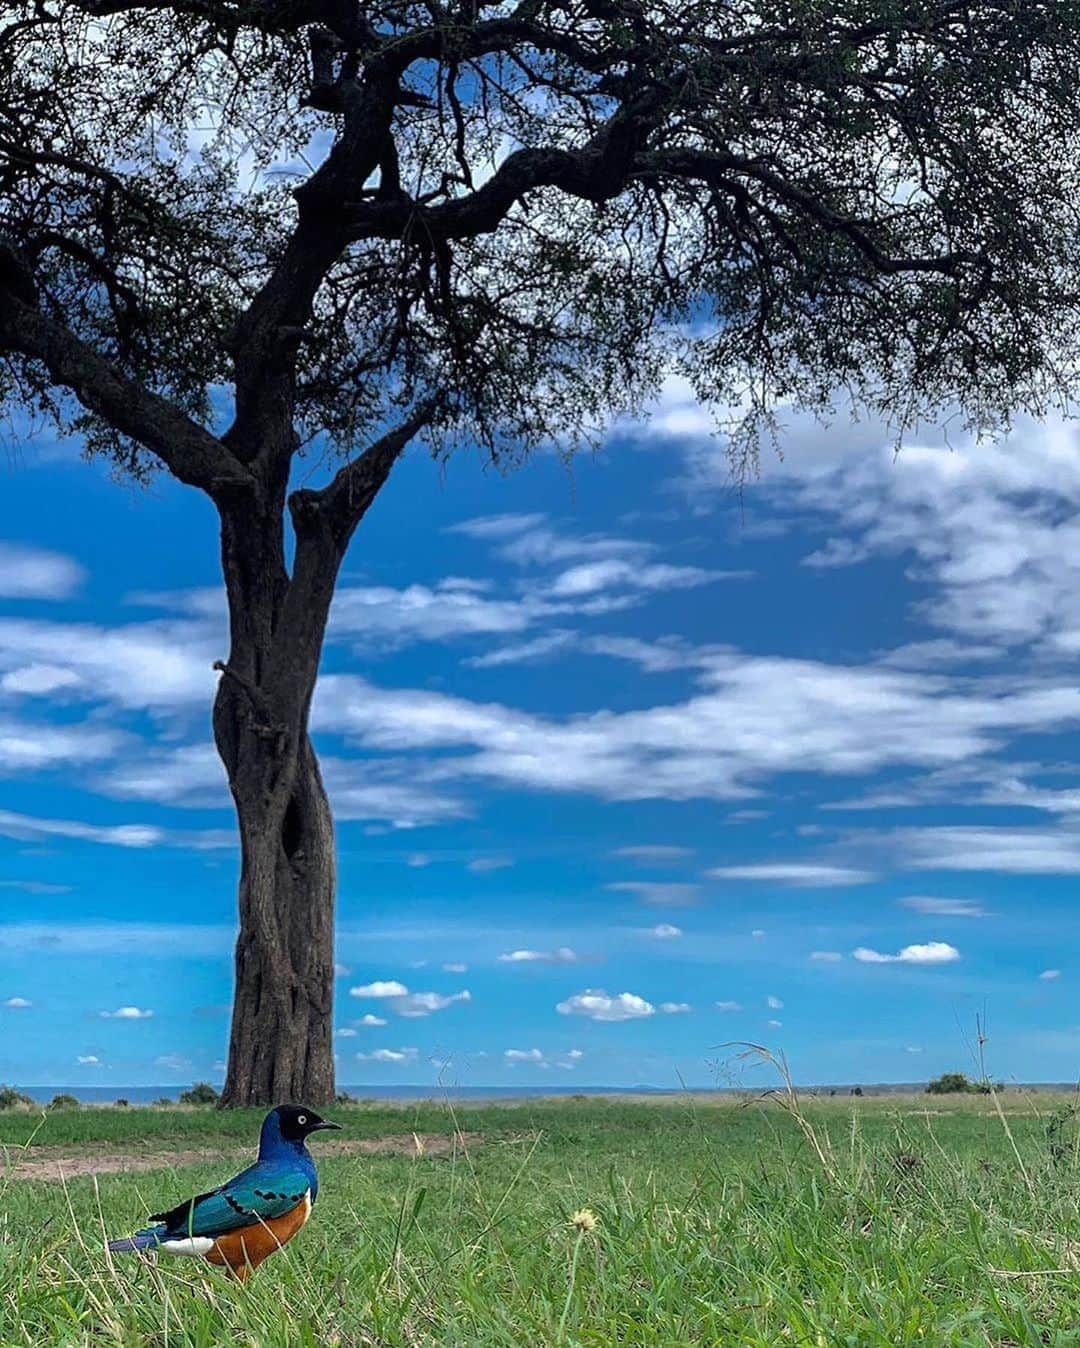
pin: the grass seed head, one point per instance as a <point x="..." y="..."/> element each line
<point x="584" y="1221"/>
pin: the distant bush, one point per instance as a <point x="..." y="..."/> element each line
<point x="202" y="1093"/>
<point x="122" y="1103"/>
<point x="343" y="1098"/>
<point x="10" y="1098"/>
<point x="956" y="1083"/>
<point x="163" y="1100"/>
<point x="64" y="1101"/>
<point x="950" y="1083"/>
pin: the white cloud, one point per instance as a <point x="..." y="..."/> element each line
<point x="483" y="865"/>
<point x="17" y="1004"/>
<point x="597" y="1005"/>
<point x="774" y="1003"/>
<point x="38" y="680"/>
<point x="173" y="1062"/>
<point x="1018" y="851"/>
<point x="992" y="527"/>
<point x="801" y="875"/>
<point x="392" y="1055"/>
<point x="727" y="1006"/>
<point x="513" y="1055"/>
<point x="32" y="829"/>
<point x="126" y="1013"/>
<point x="649" y="854"/>
<point x="589" y="578"/>
<point x="826" y="956"/>
<point x="757" y="934"/>
<point x="1048" y="975"/>
<point x="342" y="971"/>
<point x="35" y="886"/>
<point x="32" y="573"/>
<point x="675" y="1008"/>
<point x="664" y="931"/>
<point x="774" y="1024"/>
<point x="382" y="987"/>
<point x="346" y="1032"/>
<point x="88" y="1060"/>
<point x="372" y="1022"/>
<point x="422" y="613"/>
<point x="25" y="747"/>
<point x="912" y="1048"/>
<point x="166" y="663"/>
<point x="932" y="952"/>
<point x="562" y="955"/>
<point x="417" y="1004"/>
<point x="752" y="719"/>
<point x="659" y="893"/>
<point x="454" y="967"/>
<point x="943" y="907"/>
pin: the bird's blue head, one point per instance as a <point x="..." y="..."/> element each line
<point x="287" y="1128"/>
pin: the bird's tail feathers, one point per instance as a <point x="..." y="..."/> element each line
<point x="141" y="1240"/>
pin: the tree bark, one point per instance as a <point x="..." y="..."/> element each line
<point x="280" y="1047"/>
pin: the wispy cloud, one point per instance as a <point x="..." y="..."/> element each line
<point x="389" y="1055"/>
<point x="126" y="1013"/>
<point x="561" y="955"/>
<point x="800" y="875"/>
<point x="659" y="893"/>
<point x="653" y="854"/>
<point x="919" y="903"/>
<point x="32" y="573"/>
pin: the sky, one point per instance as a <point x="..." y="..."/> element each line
<point x="630" y="765"/>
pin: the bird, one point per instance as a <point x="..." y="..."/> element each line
<point x="246" y="1219"/>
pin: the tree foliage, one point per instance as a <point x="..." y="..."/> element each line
<point x="508" y="221"/>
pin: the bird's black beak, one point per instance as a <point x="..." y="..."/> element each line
<point x="325" y="1124"/>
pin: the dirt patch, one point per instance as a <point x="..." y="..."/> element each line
<point x="56" y="1163"/>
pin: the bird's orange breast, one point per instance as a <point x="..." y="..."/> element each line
<point x="245" y="1248"/>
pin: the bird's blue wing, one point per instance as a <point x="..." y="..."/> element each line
<point x="259" y="1193"/>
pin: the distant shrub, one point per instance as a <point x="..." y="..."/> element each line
<point x="202" y="1093"/>
<point x="63" y="1101"/>
<point x="857" y="1090"/>
<point x="950" y="1083"/>
<point x="10" y="1098"/>
<point x="343" y="1098"/>
<point x="163" y="1100"/>
<point x="122" y="1103"/>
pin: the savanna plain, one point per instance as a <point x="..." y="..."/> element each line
<point x="735" y="1220"/>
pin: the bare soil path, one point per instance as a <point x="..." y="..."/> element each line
<point x="60" y="1163"/>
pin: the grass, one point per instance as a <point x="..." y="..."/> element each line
<point x="856" y="1222"/>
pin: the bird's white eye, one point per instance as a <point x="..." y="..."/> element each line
<point x="302" y="1118"/>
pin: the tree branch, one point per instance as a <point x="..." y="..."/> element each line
<point x="343" y="503"/>
<point x="188" y="450"/>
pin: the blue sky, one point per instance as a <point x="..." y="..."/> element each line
<point x="627" y="764"/>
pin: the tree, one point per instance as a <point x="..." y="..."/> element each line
<point x="239" y="231"/>
<point x="950" y="1083"/>
<point x="202" y="1093"/>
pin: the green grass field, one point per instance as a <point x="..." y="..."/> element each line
<point x="869" y="1222"/>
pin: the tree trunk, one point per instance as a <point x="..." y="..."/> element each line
<point x="280" y="1047"/>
